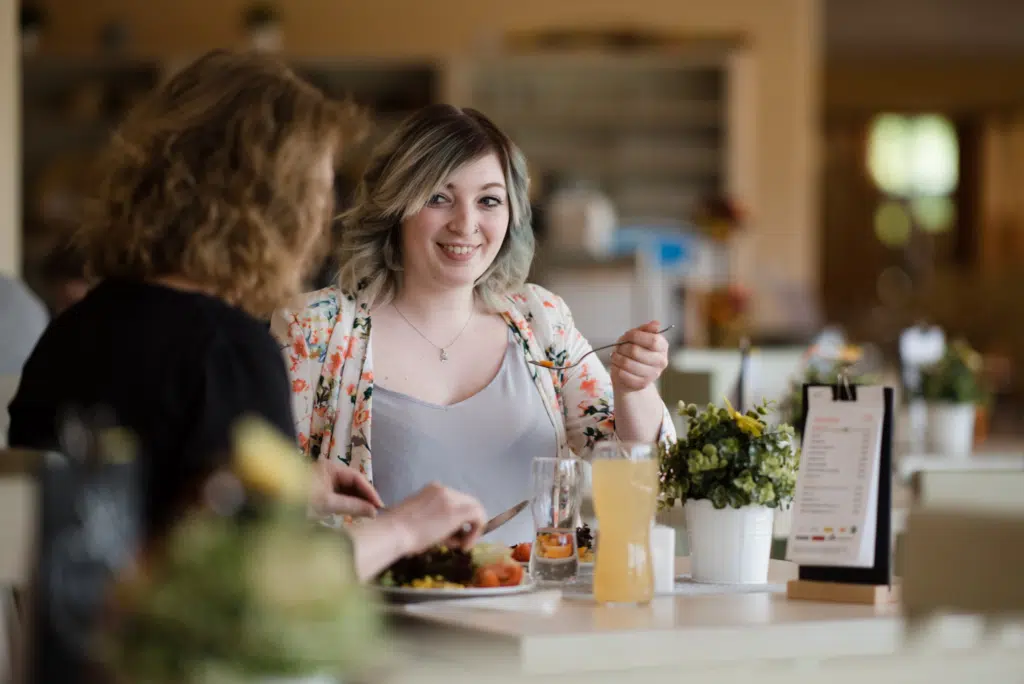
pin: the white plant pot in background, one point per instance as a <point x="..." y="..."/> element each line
<point x="729" y="545"/>
<point x="951" y="429"/>
<point x="917" y="425"/>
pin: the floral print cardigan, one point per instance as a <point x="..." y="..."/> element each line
<point x="325" y="337"/>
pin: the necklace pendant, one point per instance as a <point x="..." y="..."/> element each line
<point x="444" y="355"/>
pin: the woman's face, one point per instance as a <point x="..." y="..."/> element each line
<point x="453" y="239"/>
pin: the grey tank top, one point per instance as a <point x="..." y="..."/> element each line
<point x="482" y="446"/>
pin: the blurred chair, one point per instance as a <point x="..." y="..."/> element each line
<point x="18" y="523"/>
<point x="683" y="386"/>
<point x="769" y="376"/>
<point x="691" y="387"/>
<point x="958" y="561"/>
<point x="982" y="491"/>
<point x="955" y="492"/>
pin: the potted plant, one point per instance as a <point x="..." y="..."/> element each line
<point x="245" y="589"/>
<point x="821" y="371"/>
<point x="952" y="389"/>
<point x="32" y="22"/>
<point x="263" y="23"/>
<point x="719" y="217"/>
<point x="730" y="470"/>
<point x="727" y="309"/>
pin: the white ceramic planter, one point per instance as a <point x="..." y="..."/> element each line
<point x="917" y="424"/>
<point x="729" y="545"/>
<point x="951" y="429"/>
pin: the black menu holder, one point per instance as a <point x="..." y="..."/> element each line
<point x="840" y="584"/>
<point x="89" y="528"/>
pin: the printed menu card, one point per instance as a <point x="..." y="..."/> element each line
<point x="835" y="508"/>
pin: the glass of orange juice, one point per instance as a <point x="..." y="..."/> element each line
<point x="625" y="492"/>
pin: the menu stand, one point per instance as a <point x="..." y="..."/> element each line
<point x="847" y="584"/>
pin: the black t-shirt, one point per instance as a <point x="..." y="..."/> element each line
<point x="176" y="368"/>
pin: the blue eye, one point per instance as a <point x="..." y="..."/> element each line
<point x="491" y="201"/>
<point x="437" y="198"/>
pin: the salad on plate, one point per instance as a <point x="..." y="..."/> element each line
<point x="485" y="566"/>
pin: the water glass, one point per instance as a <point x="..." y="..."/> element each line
<point x="625" y="491"/>
<point x="557" y="491"/>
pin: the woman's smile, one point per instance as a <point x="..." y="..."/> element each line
<point x="458" y="252"/>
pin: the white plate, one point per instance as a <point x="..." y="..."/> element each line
<point x="409" y="595"/>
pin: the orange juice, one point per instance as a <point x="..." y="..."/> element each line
<point x="625" y="496"/>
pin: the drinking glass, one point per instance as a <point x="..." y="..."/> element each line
<point x="557" y="488"/>
<point x="625" y="491"/>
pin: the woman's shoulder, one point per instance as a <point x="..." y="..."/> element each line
<point x="532" y="300"/>
<point x="319" y="308"/>
<point x="542" y="311"/>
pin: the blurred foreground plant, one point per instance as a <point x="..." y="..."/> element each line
<point x="245" y="588"/>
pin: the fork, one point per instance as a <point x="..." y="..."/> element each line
<point x="550" y="366"/>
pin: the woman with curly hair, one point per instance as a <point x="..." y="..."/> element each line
<point x="215" y="195"/>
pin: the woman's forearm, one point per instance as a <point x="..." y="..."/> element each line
<point x="638" y="415"/>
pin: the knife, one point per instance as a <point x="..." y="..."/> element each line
<point x="502" y="518"/>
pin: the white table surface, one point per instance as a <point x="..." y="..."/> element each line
<point x="916" y="667"/>
<point x="672" y="630"/>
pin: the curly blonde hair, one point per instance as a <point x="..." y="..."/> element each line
<point x="402" y="174"/>
<point x="219" y="177"/>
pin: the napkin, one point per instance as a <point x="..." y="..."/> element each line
<point x="663" y="558"/>
<point x="542" y="602"/>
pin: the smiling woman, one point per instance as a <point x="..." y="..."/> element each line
<point x="448" y="162"/>
<point x="432" y="330"/>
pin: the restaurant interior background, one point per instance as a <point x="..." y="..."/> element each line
<point x="764" y="170"/>
<point x="773" y="166"/>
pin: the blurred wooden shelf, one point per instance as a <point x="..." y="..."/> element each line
<point x="623" y="121"/>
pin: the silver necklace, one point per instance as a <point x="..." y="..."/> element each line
<point x="443" y="350"/>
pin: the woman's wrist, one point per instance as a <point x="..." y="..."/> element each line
<point x="378" y="543"/>
<point x="638" y="415"/>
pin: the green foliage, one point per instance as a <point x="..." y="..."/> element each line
<point x="245" y="587"/>
<point x="956" y="378"/>
<point x="236" y="601"/>
<point x="730" y="458"/>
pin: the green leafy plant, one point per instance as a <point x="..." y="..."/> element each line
<point x="731" y="458"/>
<point x="245" y="587"/>
<point x="956" y="378"/>
<point x="791" y="407"/>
